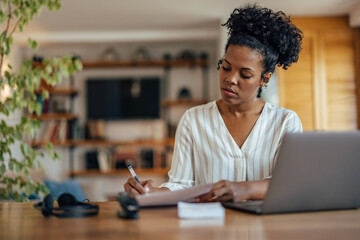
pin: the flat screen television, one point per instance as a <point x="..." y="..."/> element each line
<point x="123" y="98"/>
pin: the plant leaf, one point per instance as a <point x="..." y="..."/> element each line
<point x="32" y="43"/>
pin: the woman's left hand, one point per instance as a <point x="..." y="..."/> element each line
<point x="224" y="191"/>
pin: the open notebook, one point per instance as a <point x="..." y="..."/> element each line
<point x="172" y="197"/>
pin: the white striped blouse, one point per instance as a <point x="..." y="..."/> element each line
<point x="205" y="151"/>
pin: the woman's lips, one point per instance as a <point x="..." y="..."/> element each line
<point x="229" y="92"/>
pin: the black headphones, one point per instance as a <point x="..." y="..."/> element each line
<point x="68" y="207"/>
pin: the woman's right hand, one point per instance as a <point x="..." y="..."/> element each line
<point x="134" y="188"/>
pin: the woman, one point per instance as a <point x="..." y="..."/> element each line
<point x="233" y="142"/>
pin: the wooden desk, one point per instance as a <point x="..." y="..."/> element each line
<point x="22" y="221"/>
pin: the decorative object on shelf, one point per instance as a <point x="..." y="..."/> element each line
<point x="122" y="158"/>
<point x="147" y="158"/>
<point x="184" y="93"/>
<point x="60" y="106"/>
<point x="188" y="55"/>
<point x="14" y="171"/>
<point x="76" y="131"/>
<point x="95" y="130"/>
<point x="110" y="55"/>
<point x="91" y="160"/>
<point x="104" y="158"/>
<point x="50" y="104"/>
<point x="167" y="56"/>
<point x="38" y="59"/>
<point x="204" y="55"/>
<point x="99" y="160"/>
<point x="123" y="163"/>
<point x="141" y="54"/>
<point x="75" y="57"/>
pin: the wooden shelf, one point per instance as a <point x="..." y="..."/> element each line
<point x="54" y="116"/>
<point x="107" y="143"/>
<point x="148" y="63"/>
<point x="119" y="172"/>
<point x="182" y="102"/>
<point x="56" y="144"/>
<point x="59" y="91"/>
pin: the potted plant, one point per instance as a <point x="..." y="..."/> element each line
<point x="20" y="85"/>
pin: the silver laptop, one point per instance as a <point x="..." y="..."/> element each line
<point x="314" y="171"/>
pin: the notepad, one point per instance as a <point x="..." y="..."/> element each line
<point x="200" y="210"/>
<point x="168" y="198"/>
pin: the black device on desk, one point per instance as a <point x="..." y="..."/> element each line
<point x="129" y="206"/>
<point x="68" y="207"/>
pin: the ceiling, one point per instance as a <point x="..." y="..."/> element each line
<point x="93" y="17"/>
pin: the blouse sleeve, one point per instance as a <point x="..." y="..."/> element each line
<point x="181" y="174"/>
<point x="292" y="124"/>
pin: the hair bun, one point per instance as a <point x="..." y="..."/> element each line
<point x="273" y="29"/>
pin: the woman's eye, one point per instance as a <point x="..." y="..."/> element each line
<point x="226" y="69"/>
<point x="245" y="76"/>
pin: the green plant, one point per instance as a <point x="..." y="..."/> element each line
<point x="15" y="182"/>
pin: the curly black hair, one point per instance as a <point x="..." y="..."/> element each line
<point x="271" y="33"/>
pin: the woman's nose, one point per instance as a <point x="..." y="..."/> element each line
<point x="232" y="78"/>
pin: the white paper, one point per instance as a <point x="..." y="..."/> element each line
<point x="200" y="210"/>
<point x="172" y="197"/>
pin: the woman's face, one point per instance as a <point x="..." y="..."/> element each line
<point x="240" y="75"/>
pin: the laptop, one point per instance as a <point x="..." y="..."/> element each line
<point x="314" y="171"/>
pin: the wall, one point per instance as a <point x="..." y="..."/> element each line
<point x="321" y="86"/>
<point x="98" y="188"/>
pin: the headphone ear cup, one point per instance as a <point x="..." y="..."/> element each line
<point x="66" y="199"/>
<point x="47" y="205"/>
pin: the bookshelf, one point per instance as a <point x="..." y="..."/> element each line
<point x="158" y="145"/>
<point x="166" y="103"/>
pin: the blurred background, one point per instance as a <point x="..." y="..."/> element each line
<point x="146" y="62"/>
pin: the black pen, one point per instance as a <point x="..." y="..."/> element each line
<point x="133" y="173"/>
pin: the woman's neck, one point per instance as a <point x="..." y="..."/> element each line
<point x="251" y="107"/>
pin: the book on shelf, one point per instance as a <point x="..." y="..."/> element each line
<point x="48" y="130"/>
<point x="53" y="131"/>
<point x="63" y="131"/>
<point x="95" y="130"/>
<point x="122" y="158"/>
<point x="51" y="104"/>
<point x="75" y="131"/>
<point x="104" y="161"/>
<point x="99" y="159"/>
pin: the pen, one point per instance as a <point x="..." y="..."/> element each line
<point x="133" y="173"/>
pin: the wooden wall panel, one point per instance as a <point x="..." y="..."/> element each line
<point x="340" y="75"/>
<point x="357" y="73"/>
<point x="321" y="87"/>
<point x="295" y="86"/>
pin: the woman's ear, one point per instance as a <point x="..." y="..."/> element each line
<point x="265" y="79"/>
